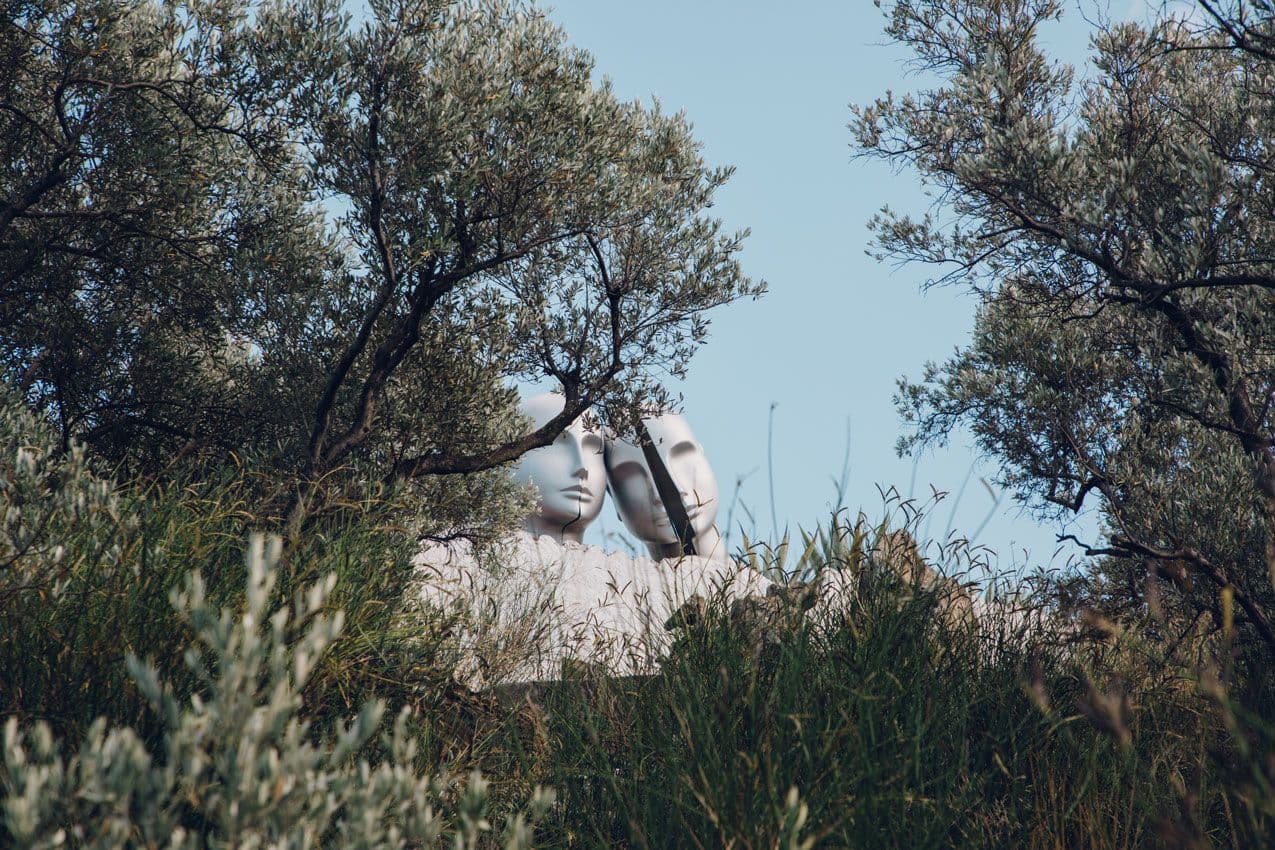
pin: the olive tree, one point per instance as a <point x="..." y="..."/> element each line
<point x="1116" y="230"/>
<point x="151" y="215"/>
<point x="364" y="231"/>
<point x="507" y="217"/>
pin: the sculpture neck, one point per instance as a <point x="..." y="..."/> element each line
<point x="707" y="545"/>
<point x="572" y="532"/>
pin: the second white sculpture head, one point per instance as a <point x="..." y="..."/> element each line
<point x="637" y="499"/>
<point x="569" y="474"/>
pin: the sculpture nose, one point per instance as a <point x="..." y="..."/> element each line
<point x="684" y="492"/>
<point x="577" y="460"/>
<point x="689" y="499"/>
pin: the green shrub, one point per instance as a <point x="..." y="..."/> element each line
<point x="87" y="566"/>
<point x="240" y="764"/>
<point x="56" y="516"/>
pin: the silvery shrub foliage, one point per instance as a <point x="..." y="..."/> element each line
<point x="55" y="512"/>
<point x="239" y="765"/>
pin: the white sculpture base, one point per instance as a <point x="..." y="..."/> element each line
<point x="533" y="604"/>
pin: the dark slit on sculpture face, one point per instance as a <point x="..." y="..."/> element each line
<point x="667" y="491"/>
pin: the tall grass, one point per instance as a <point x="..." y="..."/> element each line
<point x="63" y="657"/>
<point x="886" y="724"/>
<point x="880" y="721"/>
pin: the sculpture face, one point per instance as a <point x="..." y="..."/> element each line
<point x="569" y="473"/>
<point x="632" y="486"/>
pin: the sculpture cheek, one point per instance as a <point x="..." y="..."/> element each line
<point x="632" y="492"/>
<point x="634" y="497"/>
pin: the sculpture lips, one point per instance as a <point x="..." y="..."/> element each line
<point x="580" y="490"/>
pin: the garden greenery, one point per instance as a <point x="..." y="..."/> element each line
<point x="1115" y="225"/>
<point x="264" y="272"/>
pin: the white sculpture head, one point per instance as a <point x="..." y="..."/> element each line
<point x="568" y="473"/>
<point x="637" y="500"/>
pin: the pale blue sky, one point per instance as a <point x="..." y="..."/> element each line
<point x="767" y="87"/>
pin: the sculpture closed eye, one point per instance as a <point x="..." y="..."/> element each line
<point x="637" y="499"/>
<point x="569" y="474"/>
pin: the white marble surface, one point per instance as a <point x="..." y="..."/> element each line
<point x="534" y="603"/>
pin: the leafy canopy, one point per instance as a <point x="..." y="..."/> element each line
<point x="330" y="243"/>
<point x="1117" y="231"/>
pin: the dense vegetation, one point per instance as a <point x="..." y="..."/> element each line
<point x="1115" y="225"/>
<point x="263" y="277"/>
<point x="271" y="231"/>
<point x="886" y="724"/>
